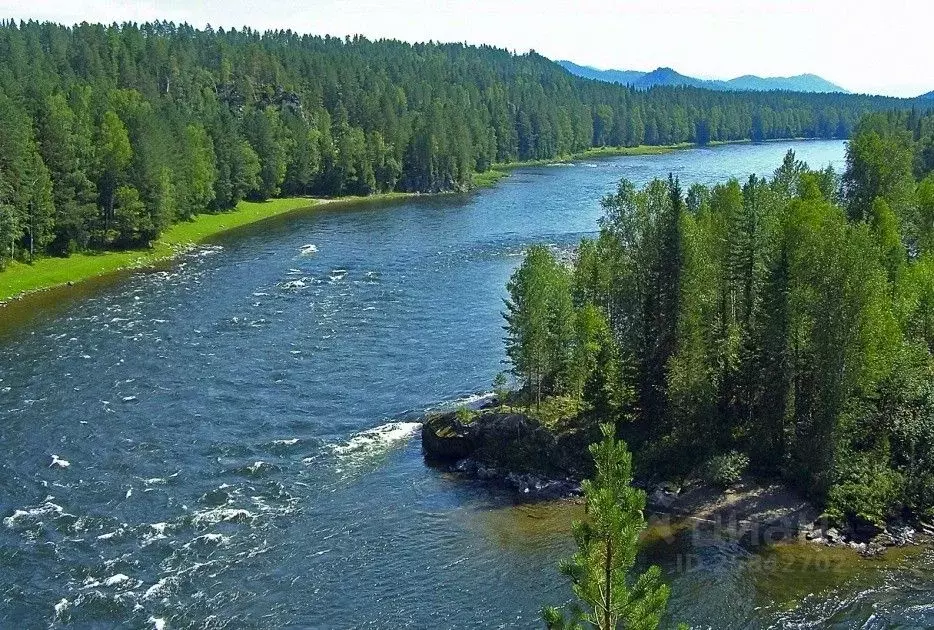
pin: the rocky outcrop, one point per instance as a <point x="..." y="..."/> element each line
<point x="511" y="448"/>
<point x="447" y="439"/>
<point x="869" y="541"/>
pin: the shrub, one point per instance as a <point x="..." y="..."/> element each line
<point x="865" y="490"/>
<point x="465" y="414"/>
<point x="726" y="469"/>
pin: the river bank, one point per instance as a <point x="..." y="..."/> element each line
<point x="20" y="279"/>
<point x="498" y="171"/>
<point x="543" y="460"/>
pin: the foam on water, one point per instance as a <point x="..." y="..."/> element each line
<point x="34" y="513"/>
<point x="111" y="535"/>
<point x="222" y="514"/>
<point x="59" y="462"/>
<point x="378" y="439"/>
<point x="159" y="588"/>
<point x="208" y="539"/>
<point x="114" y="580"/>
<point x="301" y="283"/>
<point x="472" y="401"/>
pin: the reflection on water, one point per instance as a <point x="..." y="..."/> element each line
<point x="530" y="528"/>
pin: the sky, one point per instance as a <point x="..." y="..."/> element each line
<point x="874" y="46"/>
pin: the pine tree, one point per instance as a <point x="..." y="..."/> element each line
<point x="607" y="544"/>
<point x="540" y="324"/>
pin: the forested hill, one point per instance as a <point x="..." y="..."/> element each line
<point x="110" y="133"/>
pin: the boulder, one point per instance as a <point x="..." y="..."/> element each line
<point x="813" y="534"/>
<point x="508" y="442"/>
<point x="662" y="497"/>
<point x="864" y="529"/>
<point x="447" y="439"/>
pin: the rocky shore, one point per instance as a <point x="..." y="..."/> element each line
<point x="516" y="452"/>
<point x="511" y="450"/>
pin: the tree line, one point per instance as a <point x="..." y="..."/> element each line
<point x="788" y="319"/>
<point x="108" y="134"/>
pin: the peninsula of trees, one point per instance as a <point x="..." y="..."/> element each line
<point x="784" y="322"/>
<point x="108" y="134"/>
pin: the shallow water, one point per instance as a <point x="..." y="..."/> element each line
<point x="240" y="434"/>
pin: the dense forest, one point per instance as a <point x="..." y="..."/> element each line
<point x="784" y="324"/>
<point x="110" y="133"/>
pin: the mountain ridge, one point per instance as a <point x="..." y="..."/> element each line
<point x="670" y="77"/>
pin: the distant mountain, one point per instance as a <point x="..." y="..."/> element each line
<point x="624" y="77"/>
<point x="928" y="97"/>
<point x="797" y="83"/>
<point x="667" y="76"/>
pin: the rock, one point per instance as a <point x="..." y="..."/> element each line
<point x="902" y="535"/>
<point x="511" y="449"/>
<point x="671" y="487"/>
<point x="512" y="442"/>
<point x="864" y="529"/>
<point x="447" y="439"/>
<point x="813" y="534"/>
<point x="884" y="539"/>
<point x="833" y="535"/>
<point x="661" y="497"/>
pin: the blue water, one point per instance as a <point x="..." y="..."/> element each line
<point x="241" y="429"/>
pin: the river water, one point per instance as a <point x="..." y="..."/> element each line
<point x="232" y="441"/>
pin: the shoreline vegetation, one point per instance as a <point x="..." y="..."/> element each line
<point x="540" y="456"/>
<point x="21" y="279"/>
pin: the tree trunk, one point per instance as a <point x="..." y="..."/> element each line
<point x="608" y="597"/>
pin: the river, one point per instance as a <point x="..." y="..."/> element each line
<point x="232" y="441"/>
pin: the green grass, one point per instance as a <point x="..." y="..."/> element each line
<point x="205" y="226"/>
<point x="489" y="178"/>
<point x="44" y="273"/>
<point x="553" y="411"/>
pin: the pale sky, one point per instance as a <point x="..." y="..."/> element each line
<point x="877" y="46"/>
